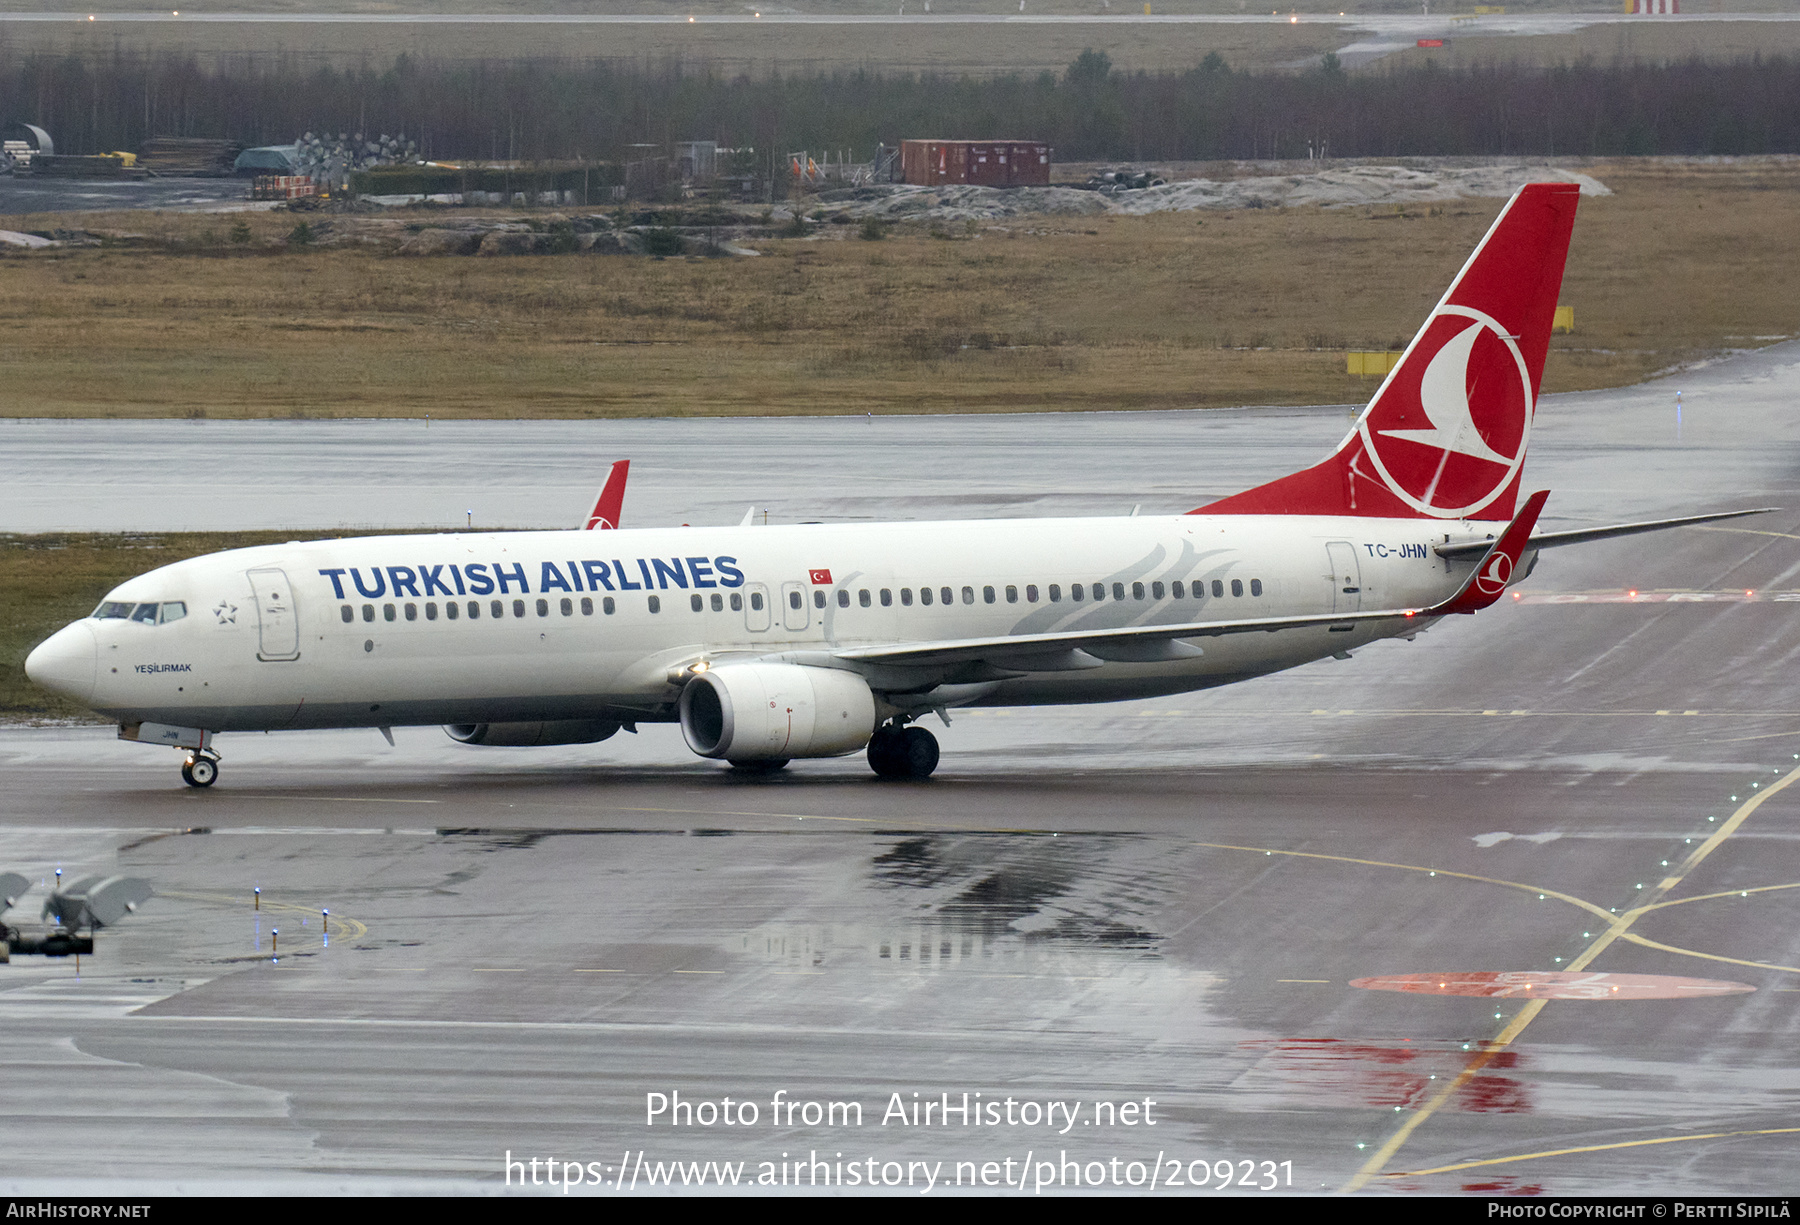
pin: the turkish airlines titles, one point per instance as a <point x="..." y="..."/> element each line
<point x="479" y="578"/>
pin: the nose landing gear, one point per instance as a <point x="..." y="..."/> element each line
<point x="200" y="770"/>
<point x="902" y="752"/>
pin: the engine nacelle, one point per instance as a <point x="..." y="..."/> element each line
<point x="770" y="712"/>
<point x="521" y="735"/>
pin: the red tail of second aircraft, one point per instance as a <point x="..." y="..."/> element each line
<point x="1445" y="435"/>
<point x="605" y="515"/>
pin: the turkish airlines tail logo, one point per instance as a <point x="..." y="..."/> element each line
<point x="1445" y="435"/>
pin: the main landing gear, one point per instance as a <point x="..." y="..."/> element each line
<point x="902" y="752"/>
<point x="200" y="770"/>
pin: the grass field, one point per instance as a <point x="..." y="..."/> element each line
<point x="1173" y="310"/>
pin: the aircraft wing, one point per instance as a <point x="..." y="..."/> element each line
<point x="1550" y="540"/>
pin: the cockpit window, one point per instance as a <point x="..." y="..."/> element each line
<point x="143" y="614"/>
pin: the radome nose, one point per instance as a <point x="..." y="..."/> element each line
<point x="66" y="662"/>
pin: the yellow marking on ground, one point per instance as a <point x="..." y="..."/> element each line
<point x="338" y="925"/>
<point x="1571" y="899"/>
<point x="1707" y="897"/>
<point x="1745" y="531"/>
<point x="1590" y="1148"/>
<point x="1616" y="927"/>
<point x="1736" y="961"/>
<point x="727" y="812"/>
<point x="336" y="799"/>
<point x="1736" y="739"/>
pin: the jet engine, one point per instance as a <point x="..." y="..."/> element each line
<point x="521" y="735"/>
<point x="771" y="712"/>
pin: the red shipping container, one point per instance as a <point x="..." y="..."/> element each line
<point x="986" y="163"/>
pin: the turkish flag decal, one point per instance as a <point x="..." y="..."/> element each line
<point x="821" y="578"/>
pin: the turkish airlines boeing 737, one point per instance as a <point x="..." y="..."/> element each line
<point x="772" y="643"/>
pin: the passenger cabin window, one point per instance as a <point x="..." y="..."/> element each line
<point x="607" y="606"/>
<point x="496" y="609"/>
<point x="587" y="606"/>
<point x="949" y="596"/>
<point x="862" y="598"/>
<point x="844" y="598"/>
<point x="1156" y="590"/>
<point x="887" y="598"/>
<point x="387" y="612"/>
<point x="1255" y="586"/>
<point x="474" y="610"/>
<point x="1077" y="592"/>
<point x="348" y="613"/>
<point x="1175" y="589"/>
<point x="1012" y="594"/>
<point x="924" y="595"/>
<point x="737" y="601"/>
<point x="906" y="597"/>
<point x="655" y="604"/>
<point x="1031" y="593"/>
<point x="1237" y="586"/>
<point x="543" y="608"/>
<point x="696" y="603"/>
<point x="1218" y="588"/>
<point x="518" y="608"/>
<point x="568" y="607"/>
<point x="451" y="609"/>
<point x="793" y="599"/>
<point x="368" y="612"/>
<point x="718" y="602"/>
<point x="412" y="612"/>
<point x="1119" y="591"/>
<point x="1100" y="592"/>
<point x="756" y="601"/>
<point x="1055" y="593"/>
<point x="818" y="599"/>
<point x="1137" y="591"/>
<point x="431" y="611"/>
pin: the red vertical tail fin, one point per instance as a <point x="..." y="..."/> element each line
<point x="611" y="501"/>
<point x="1445" y="435"/>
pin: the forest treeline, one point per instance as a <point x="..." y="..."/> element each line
<point x="601" y="109"/>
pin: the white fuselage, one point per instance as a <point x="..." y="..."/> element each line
<point x="360" y="632"/>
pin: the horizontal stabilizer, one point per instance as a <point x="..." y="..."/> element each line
<point x="1550" y="540"/>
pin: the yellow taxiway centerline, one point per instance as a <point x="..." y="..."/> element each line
<point x="1617" y="927"/>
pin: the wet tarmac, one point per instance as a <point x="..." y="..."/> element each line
<point x="1138" y="923"/>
